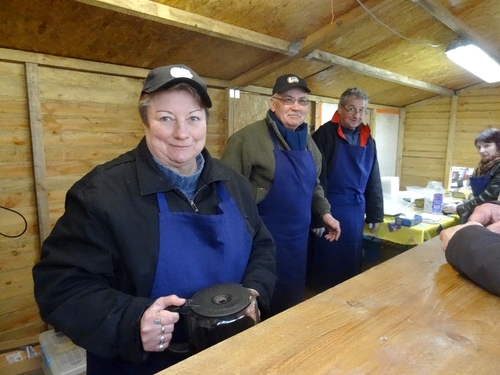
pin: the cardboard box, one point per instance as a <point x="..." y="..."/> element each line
<point x="61" y="356"/>
<point x="408" y="221"/>
<point x="27" y="366"/>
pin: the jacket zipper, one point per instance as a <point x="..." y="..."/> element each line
<point x="191" y="201"/>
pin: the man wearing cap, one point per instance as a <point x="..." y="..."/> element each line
<point x="148" y="230"/>
<point x="282" y="163"/>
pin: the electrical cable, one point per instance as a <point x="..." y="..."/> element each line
<point x="395" y="32"/>
<point x="25" y="224"/>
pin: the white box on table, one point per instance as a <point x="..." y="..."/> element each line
<point x="60" y="356"/>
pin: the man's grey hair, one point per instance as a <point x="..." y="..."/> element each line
<point x="353" y="91"/>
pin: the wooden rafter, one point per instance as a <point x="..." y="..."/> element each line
<point x="171" y="16"/>
<point x="287" y="51"/>
<point x="442" y="14"/>
<point x="341" y="27"/>
<point x="386" y="75"/>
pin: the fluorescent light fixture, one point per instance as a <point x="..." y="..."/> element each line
<point x="475" y="60"/>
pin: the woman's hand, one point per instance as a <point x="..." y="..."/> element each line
<point x="157" y="324"/>
<point x="450" y="208"/>
<point x="253" y="309"/>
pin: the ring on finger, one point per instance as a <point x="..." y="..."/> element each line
<point x="162" y="330"/>
<point x="162" y="340"/>
<point x="161" y="347"/>
<point x="158" y="320"/>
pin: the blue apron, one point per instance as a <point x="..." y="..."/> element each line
<point x="286" y="212"/>
<point x="337" y="261"/>
<point x="195" y="251"/>
<point x="479" y="184"/>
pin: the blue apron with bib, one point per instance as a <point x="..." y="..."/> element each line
<point x="479" y="184"/>
<point x="195" y="251"/>
<point x="286" y="212"/>
<point x="337" y="261"/>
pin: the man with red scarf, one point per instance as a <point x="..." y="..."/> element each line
<point x="350" y="177"/>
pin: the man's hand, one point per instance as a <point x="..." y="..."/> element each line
<point x="332" y="226"/>
<point x="495" y="227"/>
<point x="487" y="214"/>
<point x="446" y="235"/>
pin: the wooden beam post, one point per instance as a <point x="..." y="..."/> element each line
<point x="39" y="168"/>
<point x="401" y="135"/>
<point x="450" y="142"/>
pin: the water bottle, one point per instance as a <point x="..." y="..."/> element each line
<point x="434" y="197"/>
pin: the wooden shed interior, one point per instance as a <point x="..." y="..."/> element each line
<point x="71" y="72"/>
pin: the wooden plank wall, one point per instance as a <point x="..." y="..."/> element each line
<point x="75" y="118"/>
<point x="440" y="125"/>
<point x="18" y="313"/>
<point x="424" y="144"/>
<point x="478" y="109"/>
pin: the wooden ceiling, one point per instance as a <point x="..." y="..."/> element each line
<point x="392" y="49"/>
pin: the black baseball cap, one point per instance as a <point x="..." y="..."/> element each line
<point x="167" y="76"/>
<point x="288" y="81"/>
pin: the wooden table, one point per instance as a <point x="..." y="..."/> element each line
<point x="410" y="315"/>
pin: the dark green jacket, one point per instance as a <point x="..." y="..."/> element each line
<point x="250" y="152"/>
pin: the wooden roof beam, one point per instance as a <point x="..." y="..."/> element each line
<point x="341" y="27"/>
<point x="385" y="75"/>
<point x="441" y="13"/>
<point x="171" y="16"/>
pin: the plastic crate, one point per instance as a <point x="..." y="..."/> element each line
<point x="60" y="356"/>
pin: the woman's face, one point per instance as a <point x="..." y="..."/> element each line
<point x="177" y="130"/>
<point x="486" y="149"/>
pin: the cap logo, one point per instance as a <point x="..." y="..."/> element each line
<point x="177" y="72"/>
<point x="292" y="80"/>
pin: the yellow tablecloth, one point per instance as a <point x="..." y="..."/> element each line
<point x="414" y="235"/>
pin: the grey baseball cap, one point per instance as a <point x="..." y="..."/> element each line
<point x="167" y="76"/>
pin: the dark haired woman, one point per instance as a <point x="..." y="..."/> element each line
<point x="485" y="180"/>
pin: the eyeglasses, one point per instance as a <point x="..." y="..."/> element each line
<point x="288" y="100"/>
<point x="353" y="111"/>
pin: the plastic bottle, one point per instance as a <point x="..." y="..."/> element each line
<point x="434" y="193"/>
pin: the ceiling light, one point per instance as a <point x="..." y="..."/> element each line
<point x="475" y="60"/>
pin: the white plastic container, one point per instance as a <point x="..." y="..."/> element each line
<point x="60" y="356"/>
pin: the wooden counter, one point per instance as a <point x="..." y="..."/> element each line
<point x="410" y="315"/>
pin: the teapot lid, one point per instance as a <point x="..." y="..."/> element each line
<point x="221" y="300"/>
